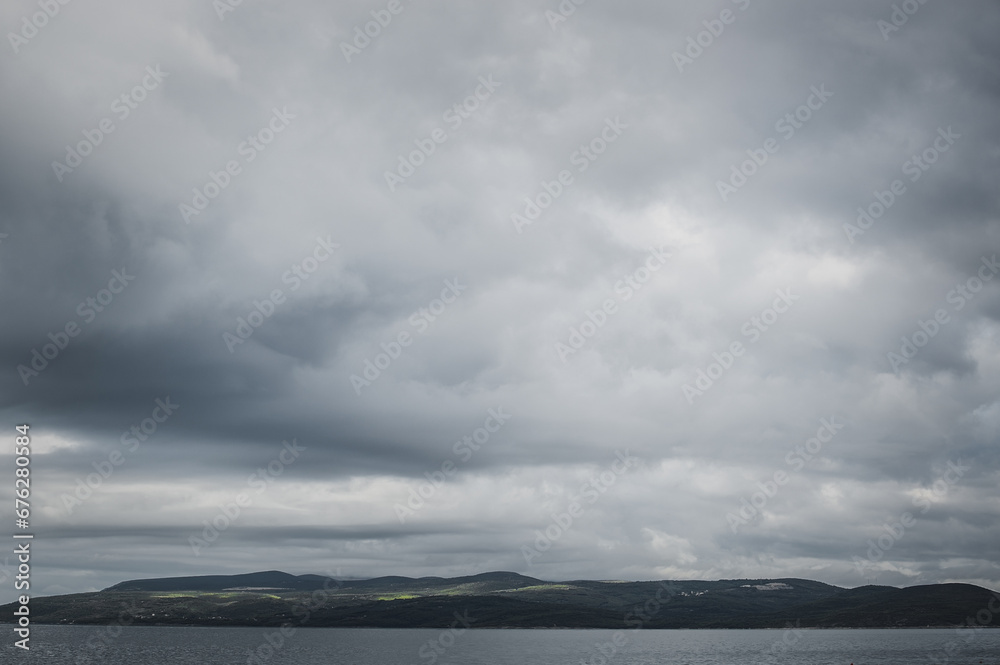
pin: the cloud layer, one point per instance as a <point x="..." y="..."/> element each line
<point x="406" y="278"/>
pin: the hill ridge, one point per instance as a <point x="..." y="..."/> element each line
<point x="508" y="599"/>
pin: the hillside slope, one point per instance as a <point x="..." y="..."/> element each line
<point x="505" y="599"/>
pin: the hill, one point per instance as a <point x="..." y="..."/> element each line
<point x="505" y="599"/>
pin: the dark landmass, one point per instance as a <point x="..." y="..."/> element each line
<point x="509" y="600"/>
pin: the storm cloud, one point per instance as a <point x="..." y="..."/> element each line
<point x="393" y="288"/>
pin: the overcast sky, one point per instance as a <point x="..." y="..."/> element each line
<point x="486" y="252"/>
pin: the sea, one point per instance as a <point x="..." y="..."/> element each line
<point x="155" y="645"/>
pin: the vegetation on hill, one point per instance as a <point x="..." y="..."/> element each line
<point x="502" y="599"/>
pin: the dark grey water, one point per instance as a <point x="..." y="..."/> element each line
<point x="79" y="645"/>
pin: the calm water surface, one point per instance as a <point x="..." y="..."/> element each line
<point x="65" y="645"/>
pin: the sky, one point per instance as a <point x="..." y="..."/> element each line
<point x="581" y="290"/>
